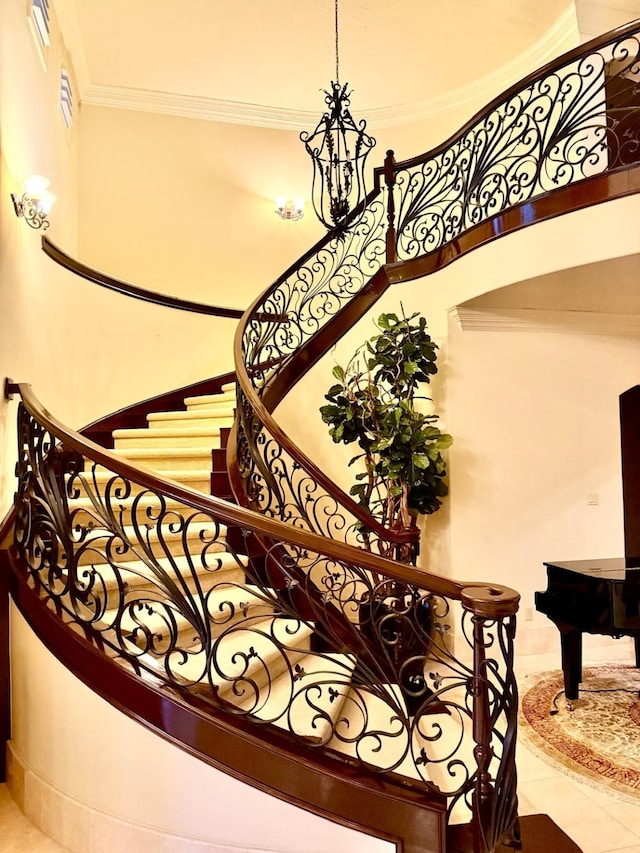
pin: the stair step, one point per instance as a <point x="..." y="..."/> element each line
<point x="245" y="661"/>
<point x="158" y="627"/>
<point x="145" y="506"/>
<point x="99" y="479"/>
<point x="122" y="581"/>
<point x="169" y="458"/>
<point x="226" y="400"/>
<point x="308" y="699"/>
<point x="125" y="439"/>
<point x="229" y="605"/>
<point x="201" y="536"/>
<point x="198" y="418"/>
<point x="250" y="660"/>
<point x="219" y="567"/>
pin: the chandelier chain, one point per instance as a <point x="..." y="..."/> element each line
<point x="337" y="60"/>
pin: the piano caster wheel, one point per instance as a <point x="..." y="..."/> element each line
<point x="569" y="706"/>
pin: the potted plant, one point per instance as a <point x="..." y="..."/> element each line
<point x="373" y="405"/>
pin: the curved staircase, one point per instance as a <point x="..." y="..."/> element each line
<point x="288" y="636"/>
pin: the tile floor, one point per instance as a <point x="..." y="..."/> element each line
<point x="596" y="820"/>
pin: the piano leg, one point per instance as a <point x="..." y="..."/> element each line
<point x="636" y="642"/>
<point x="571" y="645"/>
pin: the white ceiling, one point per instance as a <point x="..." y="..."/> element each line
<point x="267" y="61"/>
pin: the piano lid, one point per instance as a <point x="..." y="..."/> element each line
<point x="608" y="568"/>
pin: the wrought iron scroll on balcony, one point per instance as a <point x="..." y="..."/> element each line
<point x="574" y="120"/>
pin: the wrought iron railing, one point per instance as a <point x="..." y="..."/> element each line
<point x="372" y="662"/>
<point x="576" y="120"/>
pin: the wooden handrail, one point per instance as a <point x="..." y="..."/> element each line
<point x="503" y="597"/>
<point x="127" y="289"/>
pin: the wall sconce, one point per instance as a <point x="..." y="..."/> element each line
<point x="36" y="202"/>
<point x="287" y="209"/>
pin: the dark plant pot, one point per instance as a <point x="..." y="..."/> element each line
<point x="397" y="621"/>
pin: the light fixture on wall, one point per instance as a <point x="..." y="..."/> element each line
<point x="338" y="148"/>
<point x="36" y="202"/>
<point x="287" y="209"/>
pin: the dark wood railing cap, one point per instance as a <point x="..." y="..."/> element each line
<point x="490" y="601"/>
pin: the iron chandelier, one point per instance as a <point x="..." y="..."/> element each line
<point x="338" y="148"/>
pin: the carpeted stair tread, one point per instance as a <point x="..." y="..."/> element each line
<point x="100" y="478"/>
<point x="245" y="658"/>
<point x="201" y="417"/>
<point x="188" y="436"/>
<point x="226" y="399"/>
<point x="147" y="617"/>
<point x="143" y="540"/>
<point x="251" y="659"/>
<point x="123" y="582"/>
<point x="371" y="728"/>
<point x="122" y="508"/>
<point x="168" y="458"/>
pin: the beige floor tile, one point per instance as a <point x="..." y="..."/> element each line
<point x="634" y="849"/>
<point x="525" y="806"/>
<point x="569" y="808"/>
<point x="531" y="766"/>
<point x="628" y="814"/>
<point x="18" y="834"/>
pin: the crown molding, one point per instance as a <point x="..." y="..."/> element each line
<point x="193" y="106"/>
<point x="536" y="320"/>
<point x="562" y="36"/>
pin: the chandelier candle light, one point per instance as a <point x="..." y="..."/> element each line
<point x="338" y="148"/>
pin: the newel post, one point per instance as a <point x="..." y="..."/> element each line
<point x="495" y="716"/>
<point x="390" y="180"/>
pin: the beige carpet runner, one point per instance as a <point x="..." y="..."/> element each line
<point x="599" y="740"/>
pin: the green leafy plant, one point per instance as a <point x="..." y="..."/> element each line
<point x="373" y="405"/>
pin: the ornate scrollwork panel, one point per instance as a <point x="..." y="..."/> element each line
<point x="566" y="126"/>
<point x="312" y="295"/>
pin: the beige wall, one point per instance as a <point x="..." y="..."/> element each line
<point x="187" y="206"/>
<point x="33" y="139"/>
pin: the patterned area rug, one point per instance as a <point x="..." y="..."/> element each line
<point x="599" y="741"/>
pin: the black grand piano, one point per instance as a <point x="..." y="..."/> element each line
<point x="601" y="596"/>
